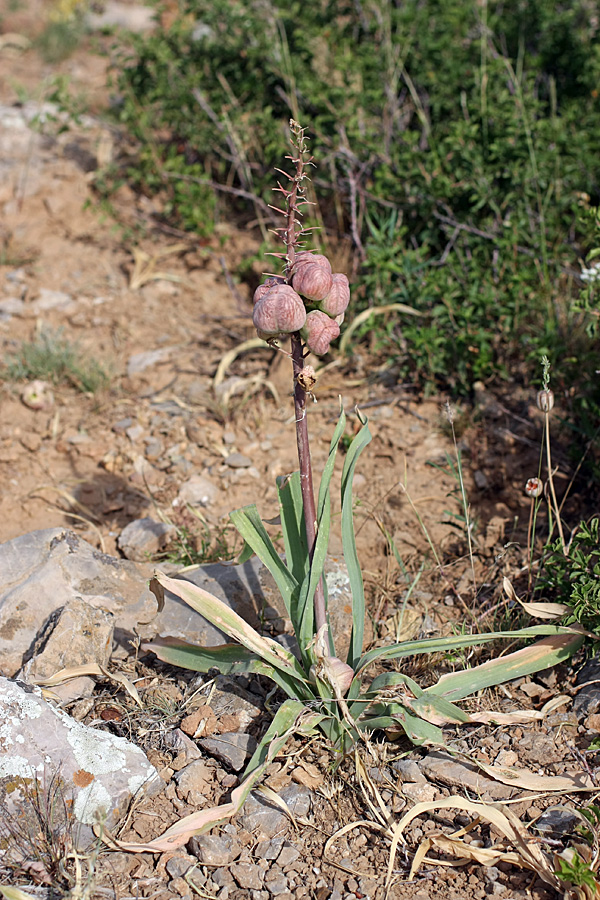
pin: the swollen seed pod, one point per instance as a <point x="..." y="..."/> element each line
<point x="534" y="487"/>
<point x="312" y="276"/>
<point x="264" y="288"/>
<point x="545" y="400"/>
<point x="279" y="311"/>
<point x="318" y="331"/>
<point x="337" y="300"/>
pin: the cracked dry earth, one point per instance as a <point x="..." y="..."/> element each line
<point x="169" y="416"/>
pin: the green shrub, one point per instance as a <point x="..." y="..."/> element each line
<point x="452" y="139"/>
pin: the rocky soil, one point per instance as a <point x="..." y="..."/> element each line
<point x="147" y="467"/>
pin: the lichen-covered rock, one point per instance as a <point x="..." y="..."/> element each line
<point x="97" y="773"/>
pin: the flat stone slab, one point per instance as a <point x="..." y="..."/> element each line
<point x="444" y="769"/>
<point x="97" y="773"/>
<point x="42" y="570"/>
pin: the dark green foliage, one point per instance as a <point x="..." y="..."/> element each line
<point x="575" y="580"/>
<point x="450" y="134"/>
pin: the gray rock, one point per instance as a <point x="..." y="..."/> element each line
<point x="265" y="821"/>
<point x="98" y="773"/>
<point x="194" y="782"/>
<point x="275" y="881"/>
<point x="245" y="589"/>
<point x="557" y="820"/>
<point x="232" y="748"/>
<point x="47" y="299"/>
<point x="587" y="698"/>
<point x="177" y="740"/>
<point x="248" y="875"/>
<point x="289" y="854"/>
<point x="72" y="636"/>
<point x="139" y="362"/>
<point x="122" y="425"/>
<point x="238" y="461"/>
<point x="214" y="850"/>
<point x="43" y="570"/>
<point x="11" y="306"/>
<point x="408" y="770"/>
<point x="177" y="866"/>
<point x="269" y="849"/>
<point x="228" y="698"/>
<point x="441" y="767"/>
<point x="144" y="538"/>
<point x="197" y="491"/>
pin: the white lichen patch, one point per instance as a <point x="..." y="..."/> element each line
<point x="96" y="751"/>
<point x="14" y="707"/>
<point x="90" y="802"/>
<point x="18" y="767"/>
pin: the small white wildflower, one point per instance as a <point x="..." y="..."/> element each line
<point x="591" y="275"/>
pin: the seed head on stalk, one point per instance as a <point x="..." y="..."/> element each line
<point x="307" y="302"/>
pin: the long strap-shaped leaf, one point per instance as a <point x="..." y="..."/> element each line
<point x="446" y="644"/>
<point x="291" y="512"/>
<point x="224" y="618"/>
<point x="229" y="659"/>
<point x="547" y="652"/>
<point x="349" y="543"/>
<point x="249" y="524"/>
<point x="305" y="628"/>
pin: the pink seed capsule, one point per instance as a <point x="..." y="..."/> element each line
<point x="312" y="276"/>
<point x="279" y="311"/>
<point x="534" y="487"/>
<point x="337" y="300"/>
<point x="262" y="289"/>
<point x="319" y="330"/>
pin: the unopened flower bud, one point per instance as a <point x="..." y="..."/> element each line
<point x="534" y="487"/>
<point x="279" y="311"/>
<point x="262" y="289"/>
<point x="312" y="276"/>
<point x="318" y="331"/>
<point x="545" y="400"/>
<point x="337" y="300"/>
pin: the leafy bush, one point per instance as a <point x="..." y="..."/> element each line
<point x="452" y="145"/>
<point x="575" y="579"/>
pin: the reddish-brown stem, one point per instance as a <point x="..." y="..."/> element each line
<point x="306" y="479"/>
<point x="291" y="236"/>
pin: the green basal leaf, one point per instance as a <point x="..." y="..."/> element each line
<point x="306" y="610"/>
<point x="389" y="680"/>
<point x="394" y="716"/>
<point x="447" y="644"/>
<point x="180" y="653"/>
<point x="291" y="512"/>
<point x="438" y="710"/>
<point x="229" y="659"/>
<point x="291" y="717"/>
<point x="250" y="526"/>
<point x="349" y="543"/>
<point x="228" y="621"/>
<point x="547" y="652"/>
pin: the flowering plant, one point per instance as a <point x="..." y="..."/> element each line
<point x="307" y="303"/>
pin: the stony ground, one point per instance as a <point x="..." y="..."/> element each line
<point x="183" y="434"/>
